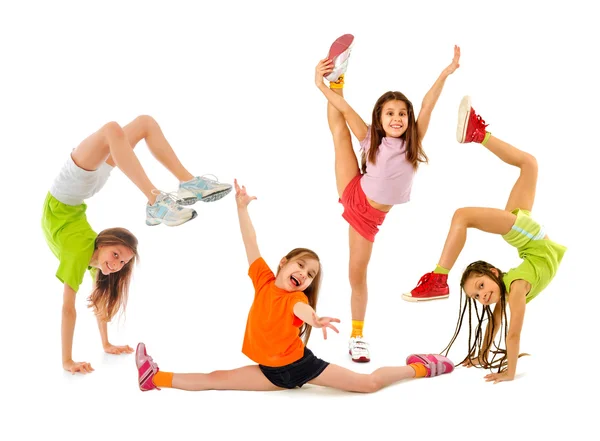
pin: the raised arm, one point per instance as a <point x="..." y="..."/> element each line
<point x="69" y="316"/>
<point x="432" y="96"/>
<point x="242" y="200"/>
<point x="357" y="125"/>
<point x="516" y="302"/>
<point x="307" y="314"/>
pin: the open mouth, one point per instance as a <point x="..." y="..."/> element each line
<point x="396" y="126"/>
<point x="110" y="268"/>
<point x="295" y="282"/>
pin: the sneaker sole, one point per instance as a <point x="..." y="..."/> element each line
<point x="464" y="111"/>
<point x="187" y="201"/>
<point x="156" y="222"/>
<point x="359" y="360"/>
<point x="216" y="196"/>
<point x="340" y="45"/>
<point x="423" y="299"/>
<point x="210" y="198"/>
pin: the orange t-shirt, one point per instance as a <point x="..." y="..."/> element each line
<point x="272" y="330"/>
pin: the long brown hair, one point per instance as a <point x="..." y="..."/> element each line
<point x="111" y="291"/>
<point x="479" y="347"/>
<point x="414" y="150"/>
<point x="312" y="292"/>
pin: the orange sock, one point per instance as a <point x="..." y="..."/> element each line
<point x="337" y="84"/>
<point x="420" y="369"/>
<point x="357" y="328"/>
<point x="163" y="379"/>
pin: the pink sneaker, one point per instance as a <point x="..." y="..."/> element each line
<point x="339" y="52"/>
<point x="146" y="368"/>
<point x="431" y="286"/>
<point x="471" y="128"/>
<point x="434" y="363"/>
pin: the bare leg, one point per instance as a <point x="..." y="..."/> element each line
<point x="341" y="378"/>
<point x="346" y="163"/>
<point x="360" y="255"/>
<point x="490" y="220"/>
<point x="111" y="140"/>
<point x="522" y="194"/>
<point x="145" y="127"/>
<point x="493" y="220"/>
<point x="244" y="378"/>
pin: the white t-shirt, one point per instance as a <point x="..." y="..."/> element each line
<point x="73" y="184"/>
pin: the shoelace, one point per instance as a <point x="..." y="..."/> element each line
<point x="152" y="362"/>
<point x="478" y="121"/>
<point x="170" y="199"/>
<point x="423" y="282"/>
<point x="213" y="181"/>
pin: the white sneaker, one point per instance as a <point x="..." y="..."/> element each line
<point x="202" y="188"/>
<point x="339" y="54"/>
<point x="359" y="350"/>
<point x="165" y="210"/>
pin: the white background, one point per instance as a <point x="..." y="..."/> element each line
<point x="231" y="84"/>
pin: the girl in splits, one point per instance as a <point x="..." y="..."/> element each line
<point x="278" y="327"/>
<point x="482" y="281"/>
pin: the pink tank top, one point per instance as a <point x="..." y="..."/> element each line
<point x="389" y="180"/>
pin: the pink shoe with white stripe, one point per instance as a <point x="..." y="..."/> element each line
<point x="434" y="363"/>
<point x="147" y="368"/>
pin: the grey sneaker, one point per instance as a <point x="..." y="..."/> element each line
<point x="201" y="189"/>
<point x="165" y="210"/>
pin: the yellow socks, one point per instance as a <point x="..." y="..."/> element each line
<point x="163" y="379"/>
<point x="485" y="139"/>
<point x="420" y="369"/>
<point x="357" y="328"/>
<point x="439" y="270"/>
<point x="338" y="84"/>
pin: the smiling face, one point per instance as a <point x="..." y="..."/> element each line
<point x="483" y="288"/>
<point x="297" y="274"/>
<point x="394" y="118"/>
<point x="112" y="258"/>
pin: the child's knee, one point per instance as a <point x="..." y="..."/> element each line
<point x="146" y="121"/>
<point x="112" y="130"/>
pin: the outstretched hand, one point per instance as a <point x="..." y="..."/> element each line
<point x="242" y="199"/>
<point x="454" y="65"/>
<point x="324" y="323"/>
<point x="325" y="67"/>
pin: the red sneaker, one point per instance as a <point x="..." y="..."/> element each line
<point x="471" y="128"/>
<point x="432" y="286"/>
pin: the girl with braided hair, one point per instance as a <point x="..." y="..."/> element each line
<point x="484" y="282"/>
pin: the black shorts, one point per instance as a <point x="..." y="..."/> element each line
<point x="295" y="374"/>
